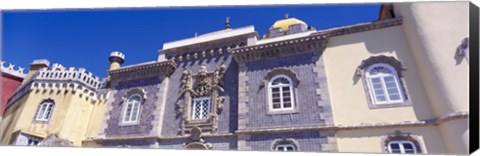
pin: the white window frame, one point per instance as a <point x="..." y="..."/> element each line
<point x="45" y="111"/>
<point x="202" y="109"/>
<point x="127" y="117"/>
<point x="382" y="77"/>
<point x="27" y="140"/>
<point x="270" y="92"/>
<point x="284" y="146"/>
<point x="402" y="148"/>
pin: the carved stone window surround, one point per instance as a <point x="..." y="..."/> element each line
<point x="49" y="102"/>
<point x="282" y="72"/>
<point x="398" y="67"/>
<point x="134" y="91"/>
<point x="203" y="84"/>
<point x="398" y="135"/>
<point x="282" y="141"/>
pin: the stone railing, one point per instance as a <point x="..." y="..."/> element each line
<point x="12" y="69"/>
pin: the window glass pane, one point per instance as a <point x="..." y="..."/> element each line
<point x="280" y="148"/>
<point x="286" y="100"/>
<point x="277" y="105"/>
<point x="289" y="148"/>
<point x="391" y="84"/>
<point x="275" y="89"/>
<point x="392" y="91"/>
<point x="286" y="89"/>
<point x="379" y="92"/>
<point x="287" y="105"/>
<point x="378" y="86"/>
<point x="381" y="98"/>
<point x="276" y="100"/>
<point x="395" y="148"/>
<point x="407" y="146"/>
<point x="394" y="97"/>
<point x="43" y="107"/>
<point x="276" y="95"/>
<point x="376" y="80"/>
<point x="389" y="79"/>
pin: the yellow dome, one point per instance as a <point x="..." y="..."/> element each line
<point x="285" y="23"/>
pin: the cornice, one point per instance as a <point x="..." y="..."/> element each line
<point x="167" y="67"/>
<point x="281" y="48"/>
<point x="265" y="51"/>
<point x="146" y="137"/>
<point x="432" y="122"/>
<point x="390" y="22"/>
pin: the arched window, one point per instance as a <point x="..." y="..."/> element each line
<point x="281" y="96"/>
<point x="401" y="142"/>
<point x="401" y="146"/>
<point x="285" y="145"/>
<point x="45" y="110"/>
<point x="384" y="84"/>
<point x="132" y="109"/>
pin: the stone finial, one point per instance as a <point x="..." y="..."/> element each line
<point x="227" y="23"/>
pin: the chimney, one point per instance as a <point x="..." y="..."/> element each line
<point x="35" y="66"/>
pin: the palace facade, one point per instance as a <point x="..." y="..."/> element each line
<point x="395" y="85"/>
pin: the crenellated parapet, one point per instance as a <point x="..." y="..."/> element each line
<point x="60" y="73"/>
<point x="61" y="79"/>
<point x="12" y="69"/>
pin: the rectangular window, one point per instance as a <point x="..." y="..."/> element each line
<point x="201" y="108"/>
<point x="27" y="140"/>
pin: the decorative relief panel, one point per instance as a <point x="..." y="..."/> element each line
<point x="200" y="102"/>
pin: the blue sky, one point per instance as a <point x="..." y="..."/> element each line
<point x="85" y="38"/>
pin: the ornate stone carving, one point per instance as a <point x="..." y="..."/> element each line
<point x="196" y="141"/>
<point x="399" y="135"/>
<point x="54" y="141"/>
<point x="281" y="71"/>
<point x="202" y="85"/>
<point x="390" y="60"/>
<point x="139" y="91"/>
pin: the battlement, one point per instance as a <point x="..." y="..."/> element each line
<point x="12" y="70"/>
<point x="60" y="73"/>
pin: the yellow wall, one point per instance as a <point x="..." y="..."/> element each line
<point x="434" y="35"/>
<point x="69" y="119"/>
<point x="96" y="120"/>
<point x="370" y="140"/>
<point x="349" y="101"/>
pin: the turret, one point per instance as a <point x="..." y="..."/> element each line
<point x="116" y="59"/>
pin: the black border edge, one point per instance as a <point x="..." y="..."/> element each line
<point x="474" y="78"/>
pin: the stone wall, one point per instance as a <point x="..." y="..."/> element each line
<point x="144" y="127"/>
<point x="306" y="97"/>
<point x="227" y="117"/>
